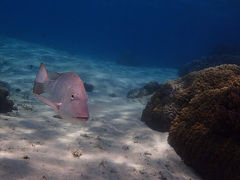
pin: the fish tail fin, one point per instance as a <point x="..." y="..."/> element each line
<point x="40" y="80"/>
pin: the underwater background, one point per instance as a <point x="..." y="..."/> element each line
<point x="149" y="32"/>
<point x="149" y="117"/>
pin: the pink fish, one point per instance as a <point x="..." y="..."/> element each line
<point x="66" y="93"/>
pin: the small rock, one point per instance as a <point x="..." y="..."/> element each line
<point x="17" y="90"/>
<point x="147" y="154"/>
<point x="85" y="135"/>
<point x="57" y="116"/>
<point x="26" y="157"/>
<point x="137" y="139"/>
<point x="88" y="87"/>
<point x="101" y="164"/>
<point x="148" y="89"/>
<point x="161" y="176"/>
<point x="113" y="171"/>
<point x="76" y="153"/>
<point x="112" y="95"/>
<point x="125" y="148"/>
<point x="99" y="146"/>
<point x="30" y="67"/>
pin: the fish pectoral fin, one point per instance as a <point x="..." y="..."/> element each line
<point x="49" y="102"/>
<point x="58" y="105"/>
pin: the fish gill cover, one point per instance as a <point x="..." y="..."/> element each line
<point x="142" y="32"/>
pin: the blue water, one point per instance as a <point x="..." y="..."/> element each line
<point x="162" y="33"/>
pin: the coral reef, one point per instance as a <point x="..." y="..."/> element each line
<point x="202" y="110"/>
<point x="206" y="133"/>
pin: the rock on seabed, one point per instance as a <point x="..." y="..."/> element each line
<point x="6" y="104"/>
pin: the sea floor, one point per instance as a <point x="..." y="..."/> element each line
<point x="113" y="144"/>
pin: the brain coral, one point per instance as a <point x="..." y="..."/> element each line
<point x="206" y="131"/>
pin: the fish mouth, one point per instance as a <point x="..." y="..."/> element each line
<point x="83" y="119"/>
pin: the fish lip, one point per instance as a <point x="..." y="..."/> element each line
<point x="84" y="119"/>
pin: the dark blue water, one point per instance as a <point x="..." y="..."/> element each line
<point x="151" y="32"/>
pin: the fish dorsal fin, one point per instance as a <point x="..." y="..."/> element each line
<point x="42" y="75"/>
<point x="40" y="80"/>
<point x="53" y="75"/>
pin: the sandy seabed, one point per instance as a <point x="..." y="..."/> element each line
<point x="113" y="144"/>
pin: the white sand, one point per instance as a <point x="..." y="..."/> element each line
<point x="113" y="144"/>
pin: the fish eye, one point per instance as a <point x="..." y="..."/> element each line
<point x="72" y="97"/>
